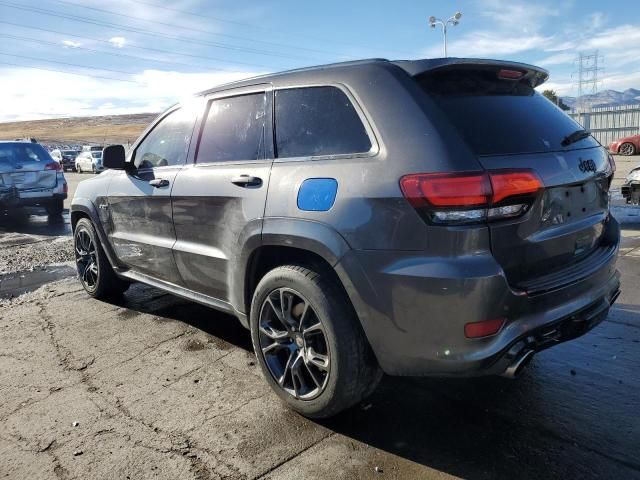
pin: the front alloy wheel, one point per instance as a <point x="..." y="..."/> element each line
<point x="86" y="259"/>
<point x="627" y="149"/>
<point x="293" y="343"/>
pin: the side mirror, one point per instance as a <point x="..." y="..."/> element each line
<point x="114" y="157"/>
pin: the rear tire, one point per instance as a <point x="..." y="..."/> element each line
<point x="78" y="168"/>
<point x="94" y="270"/>
<point x="627" y="149"/>
<point x="55" y="208"/>
<point x="318" y="361"/>
<point x="93" y="169"/>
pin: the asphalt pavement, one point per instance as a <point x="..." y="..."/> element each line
<point x="154" y="386"/>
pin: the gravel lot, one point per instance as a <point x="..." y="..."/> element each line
<point x="153" y="386"/>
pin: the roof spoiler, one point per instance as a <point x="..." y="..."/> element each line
<point x="533" y="75"/>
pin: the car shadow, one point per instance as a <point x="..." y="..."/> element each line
<point x="35" y="221"/>
<point x="475" y="428"/>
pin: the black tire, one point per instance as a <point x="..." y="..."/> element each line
<point x="78" y="168"/>
<point x="627" y="149"/>
<point x="352" y="370"/>
<point x="93" y="169"/>
<point x="55" y="208"/>
<point x="100" y="282"/>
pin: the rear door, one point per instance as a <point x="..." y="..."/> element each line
<point x="139" y="201"/>
<point x="508" y="125"/>
<point x="219" y="200"/>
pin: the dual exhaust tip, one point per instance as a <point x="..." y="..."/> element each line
<point x="518" y="365"/>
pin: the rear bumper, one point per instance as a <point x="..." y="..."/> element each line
<point x="12" y="197"/>
<point x="413" y="310"/>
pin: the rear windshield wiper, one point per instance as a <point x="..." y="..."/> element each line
<point x="575" y="137"/>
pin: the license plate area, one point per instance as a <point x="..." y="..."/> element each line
<point x="573" y="203"/>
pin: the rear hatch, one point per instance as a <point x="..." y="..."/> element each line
<point x="509" y="126"/>
<point x="27" y="166"/>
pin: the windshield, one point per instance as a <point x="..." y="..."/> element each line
<point x="498" y="116"/>
<point x="16" y="154"/>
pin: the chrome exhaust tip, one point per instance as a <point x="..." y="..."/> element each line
<point x="515" y="369"/>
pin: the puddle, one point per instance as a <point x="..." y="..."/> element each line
<point x="15" y="284"/>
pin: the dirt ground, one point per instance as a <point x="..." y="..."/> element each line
<point x="152" y="386"/>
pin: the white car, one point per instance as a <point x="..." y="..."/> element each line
<point x="89" y="162"/>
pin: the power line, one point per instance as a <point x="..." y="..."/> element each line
<point x="69" y="73"/>
<point x="253" y="26"/>
<point x="44" y="42"/>
<point x="66" y="63"/>
<point x="207" y="32"/>
<point x="150" y="49"/>
<point x="151" y="33"/>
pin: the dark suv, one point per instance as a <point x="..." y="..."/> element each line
<point x="430" y="217"/>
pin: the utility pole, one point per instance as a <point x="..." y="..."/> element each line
<point x="454" y="20"/>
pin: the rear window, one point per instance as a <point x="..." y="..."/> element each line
<point x="314" y="121"/>
<point x="499" y="117"/>
<point x="22" y="153"/>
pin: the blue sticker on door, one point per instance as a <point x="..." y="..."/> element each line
<point x="317" y="194"/>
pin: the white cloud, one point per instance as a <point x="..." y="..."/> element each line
<point x="557" y="59"/>
<point x="71" y="44"/>
<point x="490" y="43"/>
<point x="118" y="42"/>
<point x="23" y="98"/>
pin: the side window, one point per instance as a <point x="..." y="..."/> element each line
<point x="234" y="129"/>
<point x="314" y="121"/>
<point x="168" y="143"/>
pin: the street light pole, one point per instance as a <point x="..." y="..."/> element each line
<point x="454" y="20"/>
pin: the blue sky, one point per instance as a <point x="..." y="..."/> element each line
<point x="91" y="57"/>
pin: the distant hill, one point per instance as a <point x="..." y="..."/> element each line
<point x="607" y="97"/>
<point x="107" y="129"/>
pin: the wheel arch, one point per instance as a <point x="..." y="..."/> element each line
<point x="84" y="208"/>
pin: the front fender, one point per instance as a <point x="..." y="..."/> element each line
<point x="83" y="207"/>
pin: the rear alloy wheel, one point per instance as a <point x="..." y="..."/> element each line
<point x="55" y="208"/>
<point x="627" y="149"/>
<point x="293" y="343"/>
<point x="309" y="343"/>
<point x="94" y="270"/>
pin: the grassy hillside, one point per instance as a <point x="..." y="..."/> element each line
<point x="105" y="130"/>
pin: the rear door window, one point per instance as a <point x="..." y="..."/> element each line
<point x="499" y="116"/>
<point x="315" y="121"/>
<point x="234" y="129"/>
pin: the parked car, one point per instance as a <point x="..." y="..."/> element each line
<point x="89" y="161"/>
<point x="626" y="145"/>
<point x="29" y="176"/>
<point x="429" y="217"/>
<point x="92" y="148"/>
<point x="69" y="159"/>
<point x="56" y="154"/>
<point x="631" y="188"/>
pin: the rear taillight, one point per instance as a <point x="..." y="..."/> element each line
<point x="53" y="166"/>
<point x="612" y="165"/>
<point x="470" y="197"/>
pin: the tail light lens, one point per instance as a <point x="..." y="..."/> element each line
<point x="461" y="198"/>
<point x="53" y="166"/>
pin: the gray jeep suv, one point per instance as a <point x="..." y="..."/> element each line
<point x="429" y="217"/>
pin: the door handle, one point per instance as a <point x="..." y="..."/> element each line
<point x="159" y="182"/>
<point x="246" y="181"/>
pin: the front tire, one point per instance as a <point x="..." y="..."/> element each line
<point x="78" y="168"/>
<point x="627" y="149"/>
<point x="94" y="270"/>
<point x="309" y="343"/>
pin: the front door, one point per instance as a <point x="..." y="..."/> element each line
<point x="219" y="200"/>
<point x="139" y="201"/>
